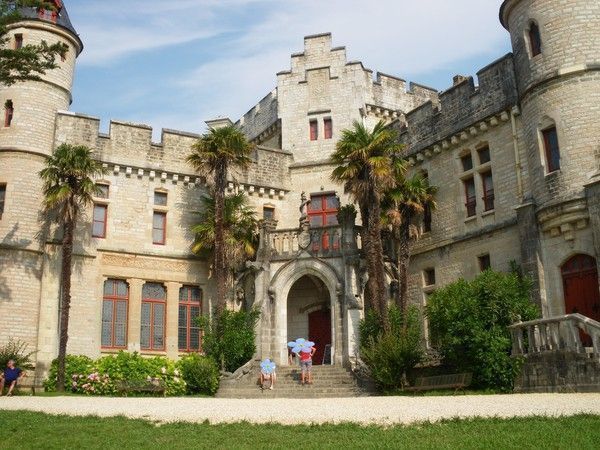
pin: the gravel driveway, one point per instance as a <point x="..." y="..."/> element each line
<point x="365" y="410"/>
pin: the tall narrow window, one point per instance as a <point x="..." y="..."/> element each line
<point x="427" y="217"/>
<point x="327" y="128"/>
<point x="470" y="197"/>
<point x="114" y="314"/>
<point x="484" y="154"/>
<point x="99" y="221"/>
<point x="488" y="190"/>
<point x="467" y="162"/>
<point x="2" y="198"/>
<point x="9" y="111"/>
<point x="535" y="41"/>
<point x="314" y="130"/>
<point x="18" y="41"/>
<point x="159" y="228"/>
<point x="551" y="149"/>
<point x="154" y="296"/>
<point x="484" y="262"/>
<point x="190" y="307"/>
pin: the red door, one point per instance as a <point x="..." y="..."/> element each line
<point x="582" y="294"/>
<point x="319" y="331"/>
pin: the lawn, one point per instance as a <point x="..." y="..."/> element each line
<point x="36" y="430"/>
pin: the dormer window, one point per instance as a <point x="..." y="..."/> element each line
<point x="535" y="41"/>
<point x="51" y="15"/>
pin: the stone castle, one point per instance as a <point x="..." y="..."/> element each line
<point x="515" y="154"/>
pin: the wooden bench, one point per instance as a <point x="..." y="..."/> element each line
<point x="154" y="386"/>
<point x="456" y="381"/>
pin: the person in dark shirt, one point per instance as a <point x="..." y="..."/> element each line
<point x="10" y="376"/>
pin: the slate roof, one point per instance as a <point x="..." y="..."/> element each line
<point x="62" y="20"/>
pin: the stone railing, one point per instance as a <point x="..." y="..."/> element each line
<point x="324" y="241"/>
<point x="556" y="333"/>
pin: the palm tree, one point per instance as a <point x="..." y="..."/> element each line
<point x="240" y="231"/>
<point x="366" y="165"/>
<point x="68" y="187"/>
<point x="407" y="200"/>
<point x="213" y="155"/>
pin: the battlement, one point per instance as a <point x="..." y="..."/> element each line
<point x="462" y="105"/>
<point x="260" y="117"/>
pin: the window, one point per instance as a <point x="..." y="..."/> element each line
<point x="268" y="213"/>
<point x="467" y="162"/>
<point x="327" y="128"/>
<point x="314" y="130"/>
<point x="50" y="15"/>
<point x="488" y="190"/>
<point x="190" y="307"/>
<point x="429" y="277"/>
<point x="154" y="297"/>
<point x="103" y="190"/>
<point x="427" y="218"/>
<point x="551" y="149"/>
<point x="484" y="154"/>
<point x="160" y="198"/>
<point x="9" y="111"/>
<point x="322" y="209"/>
<point x="18" y="41"/>
<point x="470" y="198"/>
<point x="159" y="228"/>
<point x="99" y="221"/>
<point x="535" y="41"/>
<point x="114" y="314"/>
<point x="484" y="262"/>
<point x="2" y="198"/>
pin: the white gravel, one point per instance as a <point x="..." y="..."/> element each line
<point x="369" y="410"/>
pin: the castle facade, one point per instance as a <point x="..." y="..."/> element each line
<point x="515" y="155"/>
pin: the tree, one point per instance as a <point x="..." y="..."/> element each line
<point x="68" y="187"/>
<point x="366" y="165"/>
<point x="405" y="201"/>
<point x="239" y="234"/>
<point x="213" y="155"/>
<point x="29" y="61"/>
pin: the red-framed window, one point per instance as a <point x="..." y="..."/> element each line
<point x="488" y="190"/>
<point x="18" y="41"/>
<point x="9" y="111"/>
<point x="154" y="315"/>
<point x="535" y="40"/>
<point x="551" y="149"/>
<point x="50" y="15"/>
<point x="314" y="130"/>
<point x="190" y="309"/>
<point x="322" y="212"/>
<point x="470" y="197"/>
<point x="115" y="306"/>
<point x="327" y="128"/>
<point x="159" y="228"/>
<point x="2" y="198"/>
<point x="99" y="220"/>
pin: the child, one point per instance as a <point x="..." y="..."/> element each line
<point x="267" y="374"/>
<point x="306" y="364"/>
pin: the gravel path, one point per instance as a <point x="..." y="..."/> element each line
<point x="369" y="410"/>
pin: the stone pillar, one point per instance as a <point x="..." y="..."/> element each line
<point x="135" y="314"/>
<point x="592" y="193"/>
<point x="172" y="330"/>
<point x="531" y="258"/>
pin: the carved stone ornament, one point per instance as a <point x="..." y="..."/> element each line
<point x="304" y="238"/>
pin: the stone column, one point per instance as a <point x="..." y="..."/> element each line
<point x="592" y="193"/>
<point x="531" y="263"/>
<point x="135" y="314"/>
<point x="172" y="341"/>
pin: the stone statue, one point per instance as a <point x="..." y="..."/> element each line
<point x="304" y="208"/>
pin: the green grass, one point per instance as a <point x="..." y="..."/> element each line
<point x="36" y="430"/>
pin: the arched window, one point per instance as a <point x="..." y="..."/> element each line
<point x="154" y="305"/>
<point x="190" y="308"/>
<point x="535" y="41"/>
<point x="115" y="305"/>
<point x="9" y="111"/>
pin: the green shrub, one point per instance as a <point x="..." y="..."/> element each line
<point x="229" y="339"/>
<point x="391" y="355"/>
<point x="469" y="320"/>
<point x="201" y="374"/>
<point x="17" y="351"/>
<point x="74" y="365"/>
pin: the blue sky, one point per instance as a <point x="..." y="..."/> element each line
<point x="174" y="64"/>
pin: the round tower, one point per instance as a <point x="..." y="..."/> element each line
<point x="27" y="125"/>
<point x="556" y="47"/>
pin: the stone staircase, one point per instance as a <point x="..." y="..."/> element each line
<point x="328" y="382"/>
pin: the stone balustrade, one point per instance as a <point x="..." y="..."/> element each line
<point x="556" y="333"/>
<point x="324" y="241"/>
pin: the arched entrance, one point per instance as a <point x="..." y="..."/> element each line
<point x="309" y="314"/>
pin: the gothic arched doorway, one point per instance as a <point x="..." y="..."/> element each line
<point x="580" y="283"/>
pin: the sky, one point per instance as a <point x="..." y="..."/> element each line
<point x="174" y="64"/>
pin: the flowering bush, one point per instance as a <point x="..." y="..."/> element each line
<point x="74" y="365"/>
